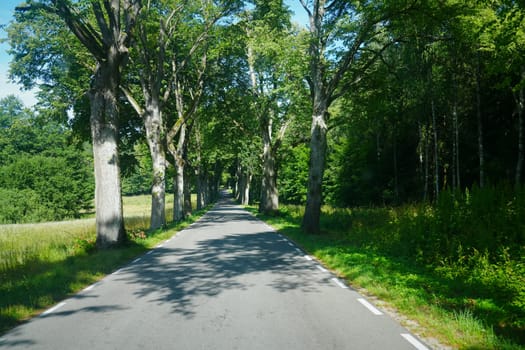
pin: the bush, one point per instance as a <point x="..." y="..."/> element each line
<point x="18" y="206"/>
<point x="56" y="188"/>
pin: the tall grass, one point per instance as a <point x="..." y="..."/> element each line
<point x="43" y="263"/>
<point x="456" y="267"/>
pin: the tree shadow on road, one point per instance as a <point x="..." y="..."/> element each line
<point x="216" y="265"/>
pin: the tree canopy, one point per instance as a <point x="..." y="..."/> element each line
<point x="369" y="102"/>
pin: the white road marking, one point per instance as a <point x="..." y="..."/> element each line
<point x="319" y="267"/>
<point x="290" y="244"/>
<point x="416" y="343"/>
<point x="150" y="252"/>
<point x="370" y="307"/>
<point x="339" y="283"/>
<point x="88" y="288"/>
<point x="118" y="271"/>
<point x="299" y="251"/>
<point x="308" y="257"/>
<point x="136" y="260"/>
<point x="53" y="309"/>
<point x="160" y="245"/>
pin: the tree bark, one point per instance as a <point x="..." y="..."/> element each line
<point x="269" y="194"/>
<point x="247" y="179"/>
<point x="456" y="181"/>
<point x="104" y="131"/>
<point x="154" y="131"/>
<point x="481" y="152"/>
<point x="187" y="195"/>
<point x="436" y="148"/>
<point x="312" y="214"/>
<point x="520" y="102"/>
<point x="178" y="181"/>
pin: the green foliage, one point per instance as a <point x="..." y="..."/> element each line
<point x="43" y="175"/>
<point x="293" y="175"/>
<point x="58" y="187"/>
<point x="17" y="205"/>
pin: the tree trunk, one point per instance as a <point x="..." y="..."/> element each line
<point x="269" y="195"/>
<point x="246" y="188"/>
<point x="481" y="152"/>
<point x="153" y="126"/>
<point x="436" y="149"/>
<point x="521" y="105"/>
<point x="312" y="213"/>
<point x="200" y="189"/>
<point x="456" y="179"/>
<point x="396" y="170"/>
<point x="104" y="131"/>
<point x="178" y="190"/>
<point x="187" y="195"/>
<point x="427" y="162"/>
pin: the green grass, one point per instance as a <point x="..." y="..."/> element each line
<point x="41" y="264"/>
<point x="474" y="303"/>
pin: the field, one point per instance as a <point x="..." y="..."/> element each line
<point x="43" y="263"/>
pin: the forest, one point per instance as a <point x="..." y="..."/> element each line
<point x="409" y="108"/>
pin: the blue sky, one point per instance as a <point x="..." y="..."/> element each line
<point x="7" y="8"/>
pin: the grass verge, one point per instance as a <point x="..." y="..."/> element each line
<point x="42" y="264"/>
<point x="434" y="304"/>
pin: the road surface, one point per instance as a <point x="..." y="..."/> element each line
<point x="227" y="282"/>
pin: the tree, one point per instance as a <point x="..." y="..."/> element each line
<point x="272" y="48"/>
<point x="105" y="31"/>
<point x="154" y="32"/>
<point x="345" y="40"/>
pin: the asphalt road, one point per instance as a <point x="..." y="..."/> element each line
<point x="226" y="282"/>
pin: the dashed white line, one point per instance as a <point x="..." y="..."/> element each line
<point x="118" y="271"/>
<point x="136" y="260"/>
<point x="53" y="309"/>
<point x="370" y="307"/>
<point x="416" y="343"/>
<point x="322" y="269"/>
<point x="339" y="283"/>
<point x="308" y="257"/>
<point x="88" y="288"/>
<point x="150" y="252"/>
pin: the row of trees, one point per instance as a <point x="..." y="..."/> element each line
<point x="372" y="101"/>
